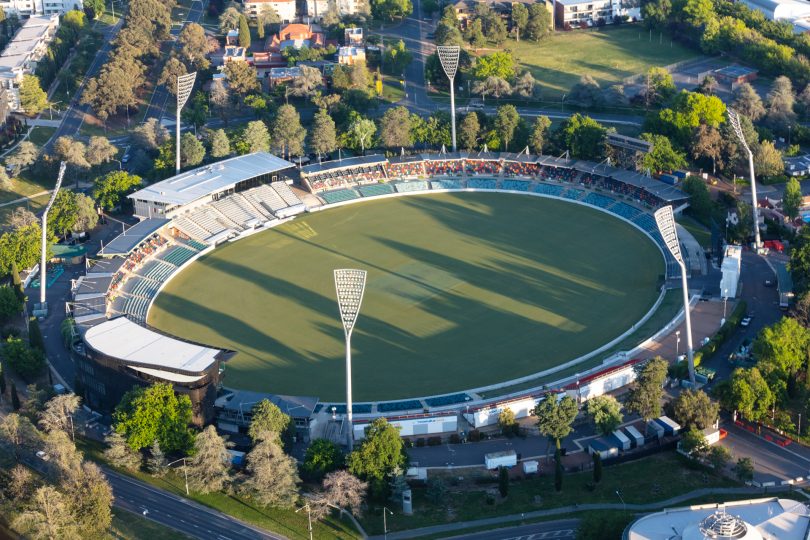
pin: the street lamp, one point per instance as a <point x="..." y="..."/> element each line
<point x="185" y="471"/>
<point x="185" y="83"/>
<point x="677" y="343"/>
<point x="448" y="56"/>
<point x="734" y="119"/>
<point x="386" y="511"/>
<point x="621" y="499"/>
<point x="349" y="284"/>
<point x="42" y="309"/>
<point x="666" y="226"/>
<point x="725" y="299"/>
<point x="309" y="518"/>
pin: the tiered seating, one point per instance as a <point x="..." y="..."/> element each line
<point x="340" y="195"/>
<point x="157" y="270"/>
<point x="135" y="307"/>
<point x="598" y="200"/>
<point x="212" y="222"/>
<point x="514" y="168"/>
<point x="482" y="183"/>
<point x="446" y="184"/>
<point x="199" y="246"/>
<point x="233" y="211"/>
<point x="407" y="187"/>
<point x="375" y="189"/>
<point x="178" y="255"/>
<point x="515" y="185"/>
<point x="139" y="286"/>
<point x="409" y="405"/>
<point x="266" y="197"/>
<point x="190" y="228"/>
<point x="286" y="193"/>
<point x="480" y="166"/>
<point x="400" y="170"/>
<point x="625" y="210"/>
<point x="549" y="189"/>
<point x="440" y="167"/>
<point x="447" y="400"/>
<point x="558" y="173"/>
<point x="573" y="194"/>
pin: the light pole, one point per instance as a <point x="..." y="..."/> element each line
<point x="734" y="119"/>
<point x="619" y="493"/>
<point x="185" y="83"/>
<point x="349" y="284"/>
<point x="725" y="299"/>
<point x="448" y="56"/>
<point x="42" y="309"/>
<point x="120" y="164"/>
<point x="185" y="471"/>
<point x="666" y="226"/>
<point x="386" y="511"/>
<point x="677" y="343"/>
<point x="309" y="518"/>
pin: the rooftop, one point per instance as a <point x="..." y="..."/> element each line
<point x="189" y="186"/>
<point x="132" y="343"/>
<point x="244" y="401"/>
<point x="128" y="240"/>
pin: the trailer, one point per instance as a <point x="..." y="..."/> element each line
<point x="622" y="440"/>
<point x="505" y="458"/>
<point x="656" y="428"/>
<point x="671" y="427"/>
<point x="530" y="467"/>
<point x="670" y="179"/>
<point x="605" y="448"/>
<point x="636" y="438"/>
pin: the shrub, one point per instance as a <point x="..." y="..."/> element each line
<point x="434" y="441"/>
<point x="475" y="435"/>
<point x="455" y="439"/>
<point x="420" y="442"/>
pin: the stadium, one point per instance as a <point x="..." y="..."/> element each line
<point x="493" y="278"/>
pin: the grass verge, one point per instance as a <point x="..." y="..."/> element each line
<point x="130" y="526"/>
<point x="40" y="134"/>
<point x="701" y="233"/>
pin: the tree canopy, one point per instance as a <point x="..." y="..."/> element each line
<point x="155" y="413"/>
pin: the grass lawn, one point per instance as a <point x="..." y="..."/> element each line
<point x="701" y="233"/>
<point x="483" y="286"/>
<point x="609" y="55"/>
<point x="654" y="478"/>
<point x="392" y="90"/>
<point x="35" y="205"/>
<point x="130" y="526"/>
<point x="40" y="134"/>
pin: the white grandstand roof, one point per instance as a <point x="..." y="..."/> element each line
<point x="191" y="185"/>
<point x="129" y="342"/>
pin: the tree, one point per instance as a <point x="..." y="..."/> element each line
<point x="662" y="157"/>
<point x="58" y="413"/>
<point x="86" y="215"/>
<point x="2" y="382"/>
<point x="114" y="87"/>
<point x="749" y="394"/>
<point x="209" y="467"/>
<point x="586" y="93"/>
<point x="26" y="154"/>
<point x="688" y="111"/>
<point x="782" y="347"/>
<point x="584" y="137"/>
<point x="707" y="142"/>
<point x="15" y="399"/>
<point x="539" y="24"/>
<point x="606" y="413"/>
<point x="220" y="145"/>
<point x="469" y="130"/>
<point x="558" y="472"/>
<point x="693" y="442"/>
<point x="21" y="482"/>
<point x="244" y="32"/>
<point x="699" y="197"/>
<point x="151" y="135"/>
<point x="48" y="517"/>
<point x="255" y="137"/>
<point x="268" y="422"/>
<point x="341" y="490"/>
<point x="792" y="200"/>
<point x="597" y="467"/>
<point x="503" y="481"/>
<point x="10" y="303"/>
<point x="323" y="135"/>
<point x="493" y="86"/>
<point x="436" y="490"/>
<point x="525" y="84"/>
<point x="219" y="98"/>
<point x="17" y="432"/>
<point x="33" y="98"/>
<point x="265" y="17"/>
<point x="539" y="134"/>
<point x="192" y="151"/>
<point x="388" y="10"/>
<point x="322" y="457"/>
<point x="62" y="216"/>
<point x="767" y="159"/>
<point x="288" y="133"/>
<point x="99" y="150"/>
<point x="380" y="453"/>
<point x="272" y="477"/>
<point x="109" y="190"/>
<point x="172" y="69"/>
<point x="157" y="463"/>
<point x="229" y="20"/>
<point x="554" y="417"/>
<point x="395" y="128"/>
<point x="90" y="501"/>
<point x="397" y="58"/>
<point x="5" y="180"/>
<point x="194" y="45"/>
<point x="196" y="111"/>
<point x="781" y="100"/>
<point x="307" y="82"/>
<point x="520" y="18"/>
<point x="506" y="121"/>
<point x="718" y="457"/>
<point x="645" y="398"/>
<point x="241" y="78"/>
<point x="154" y="412"/>
<point x="507" y="422"/>
<point x="119" y="454"/>
<point x="363" y="130"/>
<point x="747" y="102"/>
<point x="658" y="87"/>
<point x="499" y="64"/>
<point x="744" y="469"/>
<point x="695" y="408"/>
<point x="25" y="361"/>
<point x="71" y="151"/>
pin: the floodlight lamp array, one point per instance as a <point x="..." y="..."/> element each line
<point x="349" y="284"/>
<point x="185" y="83"/>
<point x="448" y="57"/>
<point x="665" y="220"/>
<point x="734" y="120"/>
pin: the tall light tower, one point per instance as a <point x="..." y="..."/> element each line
<point x="448" y="56"/>
<point x="349" y="285"/>
<point x="42" y="309"/>
<point x="666" y="226"/>
<point x="734" y="119"/>
<point x="185" y="83"/>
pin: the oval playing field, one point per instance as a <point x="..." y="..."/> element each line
<point x="464" y="290"/>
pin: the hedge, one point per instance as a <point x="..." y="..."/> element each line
<point x="680" y="370"/>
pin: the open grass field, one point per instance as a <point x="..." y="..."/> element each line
<point x="464" y="290"/>
<point x="608" y="55"/>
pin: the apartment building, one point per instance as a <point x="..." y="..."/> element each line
<point x="24" y="8"/>
<point x="284" y="8"/>
<point x="21" y="55"/>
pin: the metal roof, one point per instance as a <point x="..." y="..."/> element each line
<point x="134" y="344"/>
<point x="197" y="183"/>
<point x="128" y="240"/>
<point x="244" y="401"/>
<point x="345" y="163"/>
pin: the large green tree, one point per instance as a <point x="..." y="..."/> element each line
<point x="192" y="151"/>
<point x="379" y="454"/>
<point x="498" y="64"/>
<point x="645" y="397"/>
<point x="694" y="408"/>
<point x="210" y="464"/>
<point x="395" y="128"/>
<point x="782" y="347"/>
<point x="109" y="190"/>
<point x="584" y="137"/>
<point x="792" y="200"/>
<point x="555" y="416"/>
<point x="507" y="120"/>
<point x="268" y="422"/>
<point x="323" y="135"/>
<point x="749" y="394"/>
<point x="155" y="413"/>
<point x="662" y="157"/>
<point x="33" y="98"/>
<point x="606" y="413"/>
<point x="288" y="133"/>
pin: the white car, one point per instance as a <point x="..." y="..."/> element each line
<point x="745" y="321"/>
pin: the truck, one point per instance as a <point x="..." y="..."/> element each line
<point x="505" y="458"/>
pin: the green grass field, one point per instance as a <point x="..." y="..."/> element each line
<point x="464" y="290"/>
<point x="608" y="55"/>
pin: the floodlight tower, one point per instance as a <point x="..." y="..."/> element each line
<point x="448" y="56"/>
<point x="349" y="285"/>
<point x="734" y="120"/>
<point x="185" y="83"/>
<point x="42" y="309"/>
<point x="666" y="226"/>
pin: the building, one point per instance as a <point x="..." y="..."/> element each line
<point x="285" y="9"/>
<point x="795" y="11"/>
<point x="296" y="36"/>
<point x="120" y="354"/>
<point x="234" y="410"/>
<point x="353" y="37"/>
<point x="282" y="75"/>
<point x="21" y="55"/>
<point x="735" y="74"/>
<point x="756" y="519"/>
<point x="24" y="8"/>
<point x="578" y="13"/>
<point x="232" y="37"/>
<point x="316" y="9"/>
<point x="348" y="56"/>
<point x="234" y="54"/>
<point x="731" y="272"/>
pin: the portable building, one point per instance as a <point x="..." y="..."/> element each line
<point x="622" y="440"/>
<point x="505" y="458"/>
<point x="605" y="448"/>
<point x="636" y="438"/>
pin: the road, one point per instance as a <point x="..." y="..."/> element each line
<point x="563" y="528"/>
<point x="179" y="513"/>
<point x="772" y="463"/>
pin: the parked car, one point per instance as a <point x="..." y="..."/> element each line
<point x="745" y="321"/>
<point x="769" y="283"/>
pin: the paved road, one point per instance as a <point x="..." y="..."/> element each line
<point x="563" y="528"/>
<point x="772" y="463"/>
